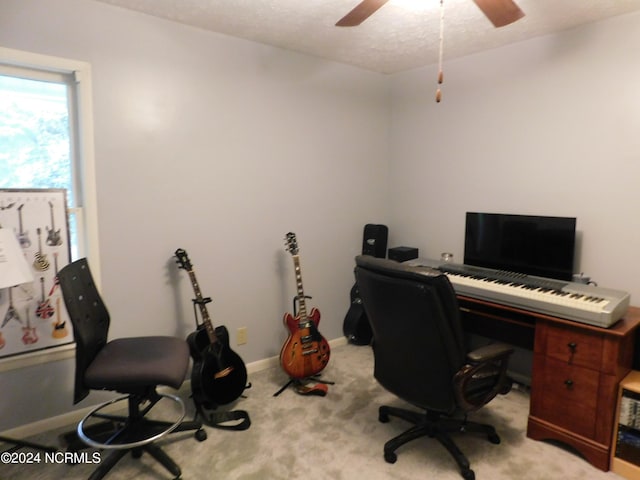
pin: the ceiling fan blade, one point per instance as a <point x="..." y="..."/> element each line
<point x="360" y="13"/>
<point x="500" y="12"/>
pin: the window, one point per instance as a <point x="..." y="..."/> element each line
<point x="46" y="141"/>
<point x="46" y="138"/>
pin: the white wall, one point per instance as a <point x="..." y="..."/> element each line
<point x="219" y="146"/>
<point x="548" y="126"/>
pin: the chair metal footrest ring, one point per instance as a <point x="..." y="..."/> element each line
<point x="167" y="426"/>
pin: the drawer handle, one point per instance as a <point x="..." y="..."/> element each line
<point x="572" y="346"/>
<point x="568" y="383"/>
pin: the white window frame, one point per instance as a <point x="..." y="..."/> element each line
<point x="86" y="208"/>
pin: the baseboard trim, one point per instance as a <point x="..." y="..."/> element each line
<point x="47" y="424"/>
<point x="49" y="355"/>
<point x="73" y="417"/>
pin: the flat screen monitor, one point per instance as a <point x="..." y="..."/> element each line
<point x="534" y="245"/>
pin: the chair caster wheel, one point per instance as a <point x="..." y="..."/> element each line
<point x="201" y="435"/>
<point x="468" y="474"/>
<point x="494" y="438"/>
<point x="390" y="457"/>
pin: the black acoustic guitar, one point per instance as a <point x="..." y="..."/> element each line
<point x="219" y="376"/>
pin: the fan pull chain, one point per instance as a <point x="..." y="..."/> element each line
<point x="440" y="73"/>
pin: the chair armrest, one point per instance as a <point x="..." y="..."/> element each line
<point x="483" y="377"/>
<point x="489" y="353"/>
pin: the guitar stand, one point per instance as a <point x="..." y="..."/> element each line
<point x="299" y="384"/>
<point x="320" y="389"/>
<point x="225" y="420"/>
<point x="195" y="301"/>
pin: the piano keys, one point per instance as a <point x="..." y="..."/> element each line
<point x="588" y="304"/>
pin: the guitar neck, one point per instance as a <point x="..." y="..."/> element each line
<point x="53" y="225"/>
<point x="206" y="320"/>
<point x="301" y="300"/>
<point x="20" y="217"/>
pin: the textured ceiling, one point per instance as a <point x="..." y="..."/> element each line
<point x="402" y="35"/>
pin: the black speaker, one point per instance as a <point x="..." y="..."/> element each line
<point x="374" y="241"/>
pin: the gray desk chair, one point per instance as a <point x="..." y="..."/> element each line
<point x="134" y="367"/>
<point x="420" y="356"/>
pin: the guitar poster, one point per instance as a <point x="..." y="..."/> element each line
<point x="32" y="315"/>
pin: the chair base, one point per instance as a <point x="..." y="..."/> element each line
<point x="136" y="430"/>
<point x="133" y="433"/>
<point x="435" y="426"/>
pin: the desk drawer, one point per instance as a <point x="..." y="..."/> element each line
<point x="574" y="347"/>
<point x="568" y="396"/>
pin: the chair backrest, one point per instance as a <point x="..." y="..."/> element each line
<point x="417" y="334"/>
<point x="89" y="317"/>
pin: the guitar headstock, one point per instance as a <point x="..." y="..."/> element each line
<point x="183" y="259"/>
<point x="292" y="243"/>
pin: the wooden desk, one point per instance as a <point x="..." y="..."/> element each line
<point x="576" y="371"/>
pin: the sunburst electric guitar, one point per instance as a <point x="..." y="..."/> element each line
<point x="219" y="376"/>
<point x="306" y="352"/>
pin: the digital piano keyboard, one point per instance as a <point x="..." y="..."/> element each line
<point x="574" y="301"/>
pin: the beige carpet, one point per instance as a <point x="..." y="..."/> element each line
<point x="337" y="437"/>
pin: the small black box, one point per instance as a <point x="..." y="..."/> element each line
<point x="402" y="254"/>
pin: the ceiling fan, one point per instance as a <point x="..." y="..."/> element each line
<point x="499" y="12"/>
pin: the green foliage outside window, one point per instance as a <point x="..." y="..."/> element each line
<point x="35" y="146"/>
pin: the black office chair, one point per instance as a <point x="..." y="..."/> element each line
<point x="420" y="355"/>
<point x="133" y="366"/>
